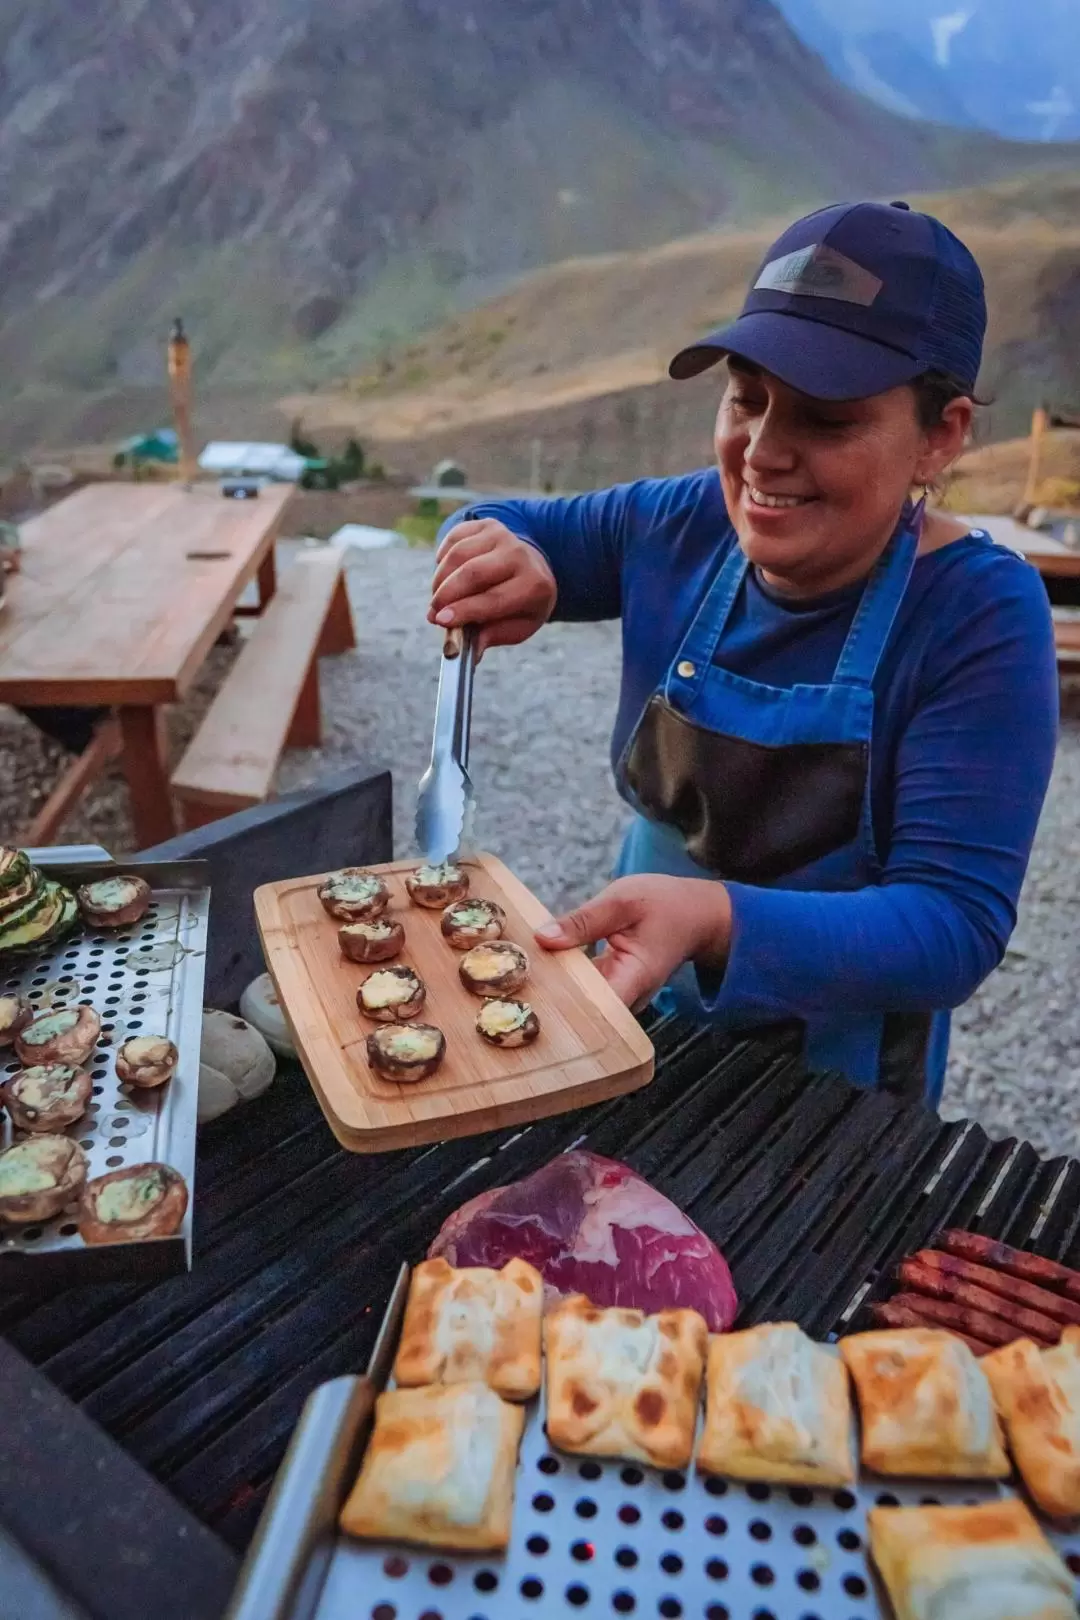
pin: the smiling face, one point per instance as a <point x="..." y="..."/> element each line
<point x="814" y="487"/>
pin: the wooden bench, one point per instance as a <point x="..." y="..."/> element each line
<point x="270" y="699"/>
<point x="1067" y="643"/>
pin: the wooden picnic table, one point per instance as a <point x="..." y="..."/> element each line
<point x="123" y="590"/>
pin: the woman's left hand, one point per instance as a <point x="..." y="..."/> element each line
<point x="652" y="925"/>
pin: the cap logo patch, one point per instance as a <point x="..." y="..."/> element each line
<point x="818" y="271"/>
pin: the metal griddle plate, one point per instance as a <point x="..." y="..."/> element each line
<point x="143" y="980"/>
<point x="589" y="1537"/>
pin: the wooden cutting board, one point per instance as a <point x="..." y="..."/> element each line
<point x="590" y="1046"/>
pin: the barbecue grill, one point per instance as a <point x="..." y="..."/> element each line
<point x="812" y="1188"/>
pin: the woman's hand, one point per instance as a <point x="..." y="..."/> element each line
<point x="486" y="576"/>
<point x="652" y="925"/>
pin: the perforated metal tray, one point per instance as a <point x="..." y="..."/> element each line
<point x="146" y="979"/>
<point x="589" y="1538"/>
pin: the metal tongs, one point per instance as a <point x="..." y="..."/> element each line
<point x="445" y="799"/>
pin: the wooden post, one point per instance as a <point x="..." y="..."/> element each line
<point x="180" y="390"/>
<point x="1038" y="428"/>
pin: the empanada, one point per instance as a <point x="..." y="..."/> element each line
<point x="473" y="1325"/>
<point x="990" y="1562"/>
<point x="1038" y="1395"/>
<point x="623" y="1384"/>
<point x="777" y="1407"/>
<point x="439" y="1469"/>
<point x="925" y="1405"/>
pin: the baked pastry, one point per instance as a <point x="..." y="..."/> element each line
<point x="778" y="1408"/>
<point x="46" y="1098"/>
<point x="925" y="1405"/>
<point x="39" y="1177"/>
<point x="437" y="886"/>
<point x="15" y="1013"/>
<point x="354" y="895"/>
<point x="406" y="1051"/>
<point x="989" y="1562"/>
<point x="392" y="995"/>
<point x="67" y="1036"/>
<point x="376" y="940"/>
<point x="439" y="1469"/>
<point x="1038" y="1396"/>
<point x="146" y="1061"/>
<point x="623" y="1384"/>
<point x="470" y="922"/>
<point x="114" y="902"/>
<point x="498" y="969"/>
<point x="129" y="1205"/>
<point x="476" y="1325"/>
<point x="507" y="1023"/>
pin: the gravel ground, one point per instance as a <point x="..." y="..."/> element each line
<point x="542" y="720"/>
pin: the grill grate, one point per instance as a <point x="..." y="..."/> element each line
<point x="812" y="1188"/>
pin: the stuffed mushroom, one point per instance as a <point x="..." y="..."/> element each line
<point x="391" y="995"/>
<point x="39" y="1177"/>
<point x="68" y="1036"/>
<point x="497" y="969"/>
<point x="437" y="886"/>
<point x="374" y="941"/>
<point x="114" y="902"/>
<point x="15" y="1013"/>
<point x="472" y="922"/>
<point x="126" y="1206"/>
<point x="507" y="1023"/>
<point x="47" y="1098"/>
<point x="146" y="1061"/>
<point x="354" y="895"/>
<point x="406" y="1052"/>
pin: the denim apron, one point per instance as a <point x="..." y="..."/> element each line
<point x="771" y="786"/>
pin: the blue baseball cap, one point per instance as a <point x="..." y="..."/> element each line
<point x="855" y="299"/>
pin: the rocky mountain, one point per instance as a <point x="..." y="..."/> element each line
<point x="303" y="179"/>
<point x="999" y="64"/>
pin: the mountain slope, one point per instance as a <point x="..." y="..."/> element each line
<point x="305" y="178"/>
<point x="576" y="355"/>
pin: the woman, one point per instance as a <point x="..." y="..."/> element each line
<point x="838" y="710"/>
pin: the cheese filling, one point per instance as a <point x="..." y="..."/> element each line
<point x="46" y="1085"/>
<point x="131" y="1198"/>
<point x="355" y="888"/>
<point x="112" y="894"/>
<point x="25" y="1169"/>
<point x="492" y="961"/>
<point x="370" y="930"/>
<point x="49" y="1026"/>
<point x="390" y="989"/>
<point x="503" y="1017"/>
<point x="438" y="877"/>
<point x="409" y="1045"/>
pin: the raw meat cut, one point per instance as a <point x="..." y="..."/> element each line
<point x="592" y="1226"/>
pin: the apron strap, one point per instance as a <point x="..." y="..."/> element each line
<point x="699" y="645"/>
<point x="876" y="613"/>
<point x="870" y="628"/>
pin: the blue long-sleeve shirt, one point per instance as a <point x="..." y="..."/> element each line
<point x="965" y="723"/>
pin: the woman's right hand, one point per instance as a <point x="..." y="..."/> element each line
<point x="486" y="576"/>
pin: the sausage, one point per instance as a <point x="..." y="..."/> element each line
<point x="1016" y="1262"/>
<point x="1001" y="1282"/>
<point x="893" y="1313"/>
<point x="922" y="1279"/>
<point x="944" y="1313"/>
